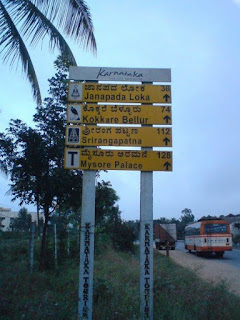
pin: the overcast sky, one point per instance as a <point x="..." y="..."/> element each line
<point x="200" y="42"/>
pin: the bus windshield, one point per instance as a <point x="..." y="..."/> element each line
<point x="216" y="228"/>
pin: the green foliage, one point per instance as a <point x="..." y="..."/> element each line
<point x="122" y="235"/>
<point x="102" y="290"/>
<point x="236" y="238"/>
<point x="105" y="207"/>
<point x="22" y="223"/>
<point x="163" y="220"/>
<point x="178" y="293"/>
<point x="14" y="250"/>
<point x="108" y="218"/>
<point x="118" y="273"/>
<point x="209" y="217"/>
<point x="186" y="218"/>
<point x="34" y="157"/>
<point x="1" y="223"/>
<point x="21" y="20"/>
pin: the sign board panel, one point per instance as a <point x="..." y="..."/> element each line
<point x="95" y="92"/>
<point x="119" y="114"/>
<point x="118" y="136"/>
<point x="101" y="159"/>
<point x="120" y="74"/>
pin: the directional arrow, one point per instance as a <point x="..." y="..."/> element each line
<point x="167" y="165"/>
<point x="166" y="97"/>
<point x="166" y="140"/>
<point x="167" y="118"/>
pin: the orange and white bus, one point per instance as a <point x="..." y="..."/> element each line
<point x="208" y="236"/>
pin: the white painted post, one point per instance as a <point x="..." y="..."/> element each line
<point x="146" y="244"/>
<point x="85" y="292"/>
<point x="31" y="247"/>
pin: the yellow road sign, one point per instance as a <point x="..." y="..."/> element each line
<point x="118" y="136"/>
<point x="99" y="159"/>
<point x="95" y="92"/>
<point x="118" y="114"/>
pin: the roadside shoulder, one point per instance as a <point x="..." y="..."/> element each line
<point x="209" y="270"/>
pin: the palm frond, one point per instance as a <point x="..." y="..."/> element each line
<point x="34" y="24"/>
<point x="34" y="19"/>
<point x="72" y="16"/>
<point x="14" y="49"/>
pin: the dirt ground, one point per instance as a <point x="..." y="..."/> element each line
<point x="208" y="269"/>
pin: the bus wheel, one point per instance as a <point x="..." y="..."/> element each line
<point x="189" y="250"/>
<point x="220" y="254"/>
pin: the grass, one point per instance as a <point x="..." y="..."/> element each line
<point x="178" y="293"/>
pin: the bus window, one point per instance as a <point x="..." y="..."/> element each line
<point x="216" y="228"/>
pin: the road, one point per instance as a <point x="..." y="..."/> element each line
<point x="230" y="257"/>
<point x="213" y="269"/>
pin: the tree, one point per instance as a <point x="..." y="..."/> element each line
<point x="187" y="212"/>
<point x="106" y="199"/>
<point x="209" y="217"/>
<point x="163" y="220"/>
<point x="122" y="235"/>
<point x="34" y="157"/>
<point x="108" y="218"/>
<point x="29" y="160"/>
<point x="1" y="223"/>
<point x="186" y="218"/>
<point x="3" y="169"/>
<point x="23" y="221"/>
<point x="34" y="19"/>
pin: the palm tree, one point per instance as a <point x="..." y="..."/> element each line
<point x="34" y="19"/>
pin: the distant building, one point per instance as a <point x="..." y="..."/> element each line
<point x="6" y="214"/>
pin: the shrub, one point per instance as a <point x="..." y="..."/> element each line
<point x="236" y="238"/>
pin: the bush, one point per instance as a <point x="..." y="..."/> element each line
<point x="123" y="237"/>
<point x="178" y="293"/>
<point x="236" y="238"/>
